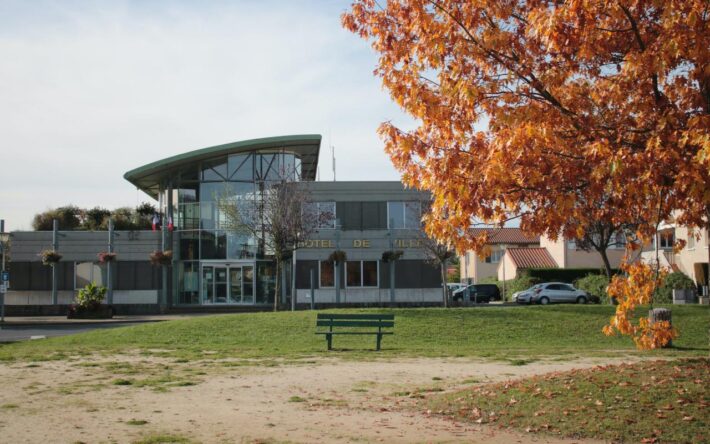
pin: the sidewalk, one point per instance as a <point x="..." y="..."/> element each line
<point x="118" y="319"/>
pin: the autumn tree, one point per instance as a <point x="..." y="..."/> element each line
<point x="562" y="113"/>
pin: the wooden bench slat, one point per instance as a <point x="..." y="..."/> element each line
<point x="363" y="324"/>
<point x="353" y="333"/>
<point x="388" y="317"/>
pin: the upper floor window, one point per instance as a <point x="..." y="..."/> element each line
<point x="666" y="239"/>
<point x="322" y="213"/>
<point x="406" y="214"/>
<point x="495" y="256"/>
<point x="571" y="244"/>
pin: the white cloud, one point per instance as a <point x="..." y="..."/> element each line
<point x="90" y="92"/>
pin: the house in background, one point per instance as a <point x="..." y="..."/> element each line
<point x="476" y="268"/>
<point x="691" y="260"/>
<point x="512" y="252"/>
<point x="515" y="260"/>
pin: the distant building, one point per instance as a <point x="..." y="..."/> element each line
<point x="213" y="266"/>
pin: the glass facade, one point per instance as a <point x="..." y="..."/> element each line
<point x="218" y="264"/>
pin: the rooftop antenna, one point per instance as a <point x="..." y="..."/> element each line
<point x="332" y="151"/>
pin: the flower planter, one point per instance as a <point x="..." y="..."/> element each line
<point x="338" y="256"/>
<point x="95" y="312"/>
<point x="50" y="257"/>
<point x="105" y="257"/>
<point x="392" y="255"/>
<point x="161" y="258"/>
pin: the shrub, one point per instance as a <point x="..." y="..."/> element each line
<point x="568" y="275"/>
<point x="90" y="297"/>
<point x="68" y="218"/>
<point x="96" y="219"/>
<point x="594" y="284"/>
<point x="674" y="281"/>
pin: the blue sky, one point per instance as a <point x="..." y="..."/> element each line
<point x="91" y="90"/>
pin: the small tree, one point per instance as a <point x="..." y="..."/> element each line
<point x="600" y="235"/>
<point x="438" y="254"/>
<point x="277" y="217"/>
<point x="95" y="219"/>
<point x="68" y="217"/>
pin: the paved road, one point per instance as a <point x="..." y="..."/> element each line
<point x="11" y="333"/>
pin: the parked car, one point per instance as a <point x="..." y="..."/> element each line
<point x="552" y="292"/>
<point x="483" y="293"/>
<point x="453" y="286"/>
<point x="525" y="296"/>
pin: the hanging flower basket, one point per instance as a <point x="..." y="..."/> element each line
<point x="392" y="255"/>
<point x="338" y="256"/>
<point x="105" y="257"/>
<point x="163" y="258"/>
<point x="50" y="257"/>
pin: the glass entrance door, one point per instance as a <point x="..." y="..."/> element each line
<point x="228" y="284"/>
<point x="235" y="285"/>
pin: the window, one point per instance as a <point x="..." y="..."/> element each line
<point x="666" y="239"/>
<point x="495" y="256"/>
<point x="321" y="213"/>
<point x="362" y="273"/>
<point x="327" y="274"/>
<point x="241" y="167"/>
<point x="571" y="244"/>
<point x="404" y="215"/>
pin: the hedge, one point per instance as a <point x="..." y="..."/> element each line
<point x="568" y="275"/>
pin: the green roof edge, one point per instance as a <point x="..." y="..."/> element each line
<point x="168" y="161"/>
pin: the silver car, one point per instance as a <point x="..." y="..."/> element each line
<point x="553" y="292"/>
<point x="525" y="296"/>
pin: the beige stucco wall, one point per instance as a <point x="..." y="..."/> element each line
<point x="573" y="258"/>
<point x="688" y="257"/>
<point x="477" y="268"/>
<point x="507" y="269"/>
<point x="592" y="259"/>
<point x="556" y="249"/>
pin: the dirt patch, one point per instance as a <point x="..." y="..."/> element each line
<point x="129" y="398"/>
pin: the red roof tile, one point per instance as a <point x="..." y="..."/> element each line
<point x="506" y="236"/>
<point x="531" y="258"/>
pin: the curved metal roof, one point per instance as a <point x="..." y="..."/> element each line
<point x="149" y="177"/>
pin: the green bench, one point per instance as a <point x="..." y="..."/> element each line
<point x="354" y="325"/>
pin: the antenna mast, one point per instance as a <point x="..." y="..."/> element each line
<point x="332" y="151"/>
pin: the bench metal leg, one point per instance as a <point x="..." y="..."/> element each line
<point x="329" y="338"/>
<point x="379" y="341"/>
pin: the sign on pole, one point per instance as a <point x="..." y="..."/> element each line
<point x="5" y="276"/>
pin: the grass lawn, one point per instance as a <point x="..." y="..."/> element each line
<point x="664" y="401"/>
<point x="510" y="333"/>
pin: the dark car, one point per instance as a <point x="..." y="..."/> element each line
<point x="482" y="293"/>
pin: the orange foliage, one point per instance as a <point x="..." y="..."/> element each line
<point x="561" y="113"/>
<point x="636" y="289"/>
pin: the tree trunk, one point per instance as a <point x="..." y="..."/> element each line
<point x="444" y="288"/>
<point x="607" y="264"/>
